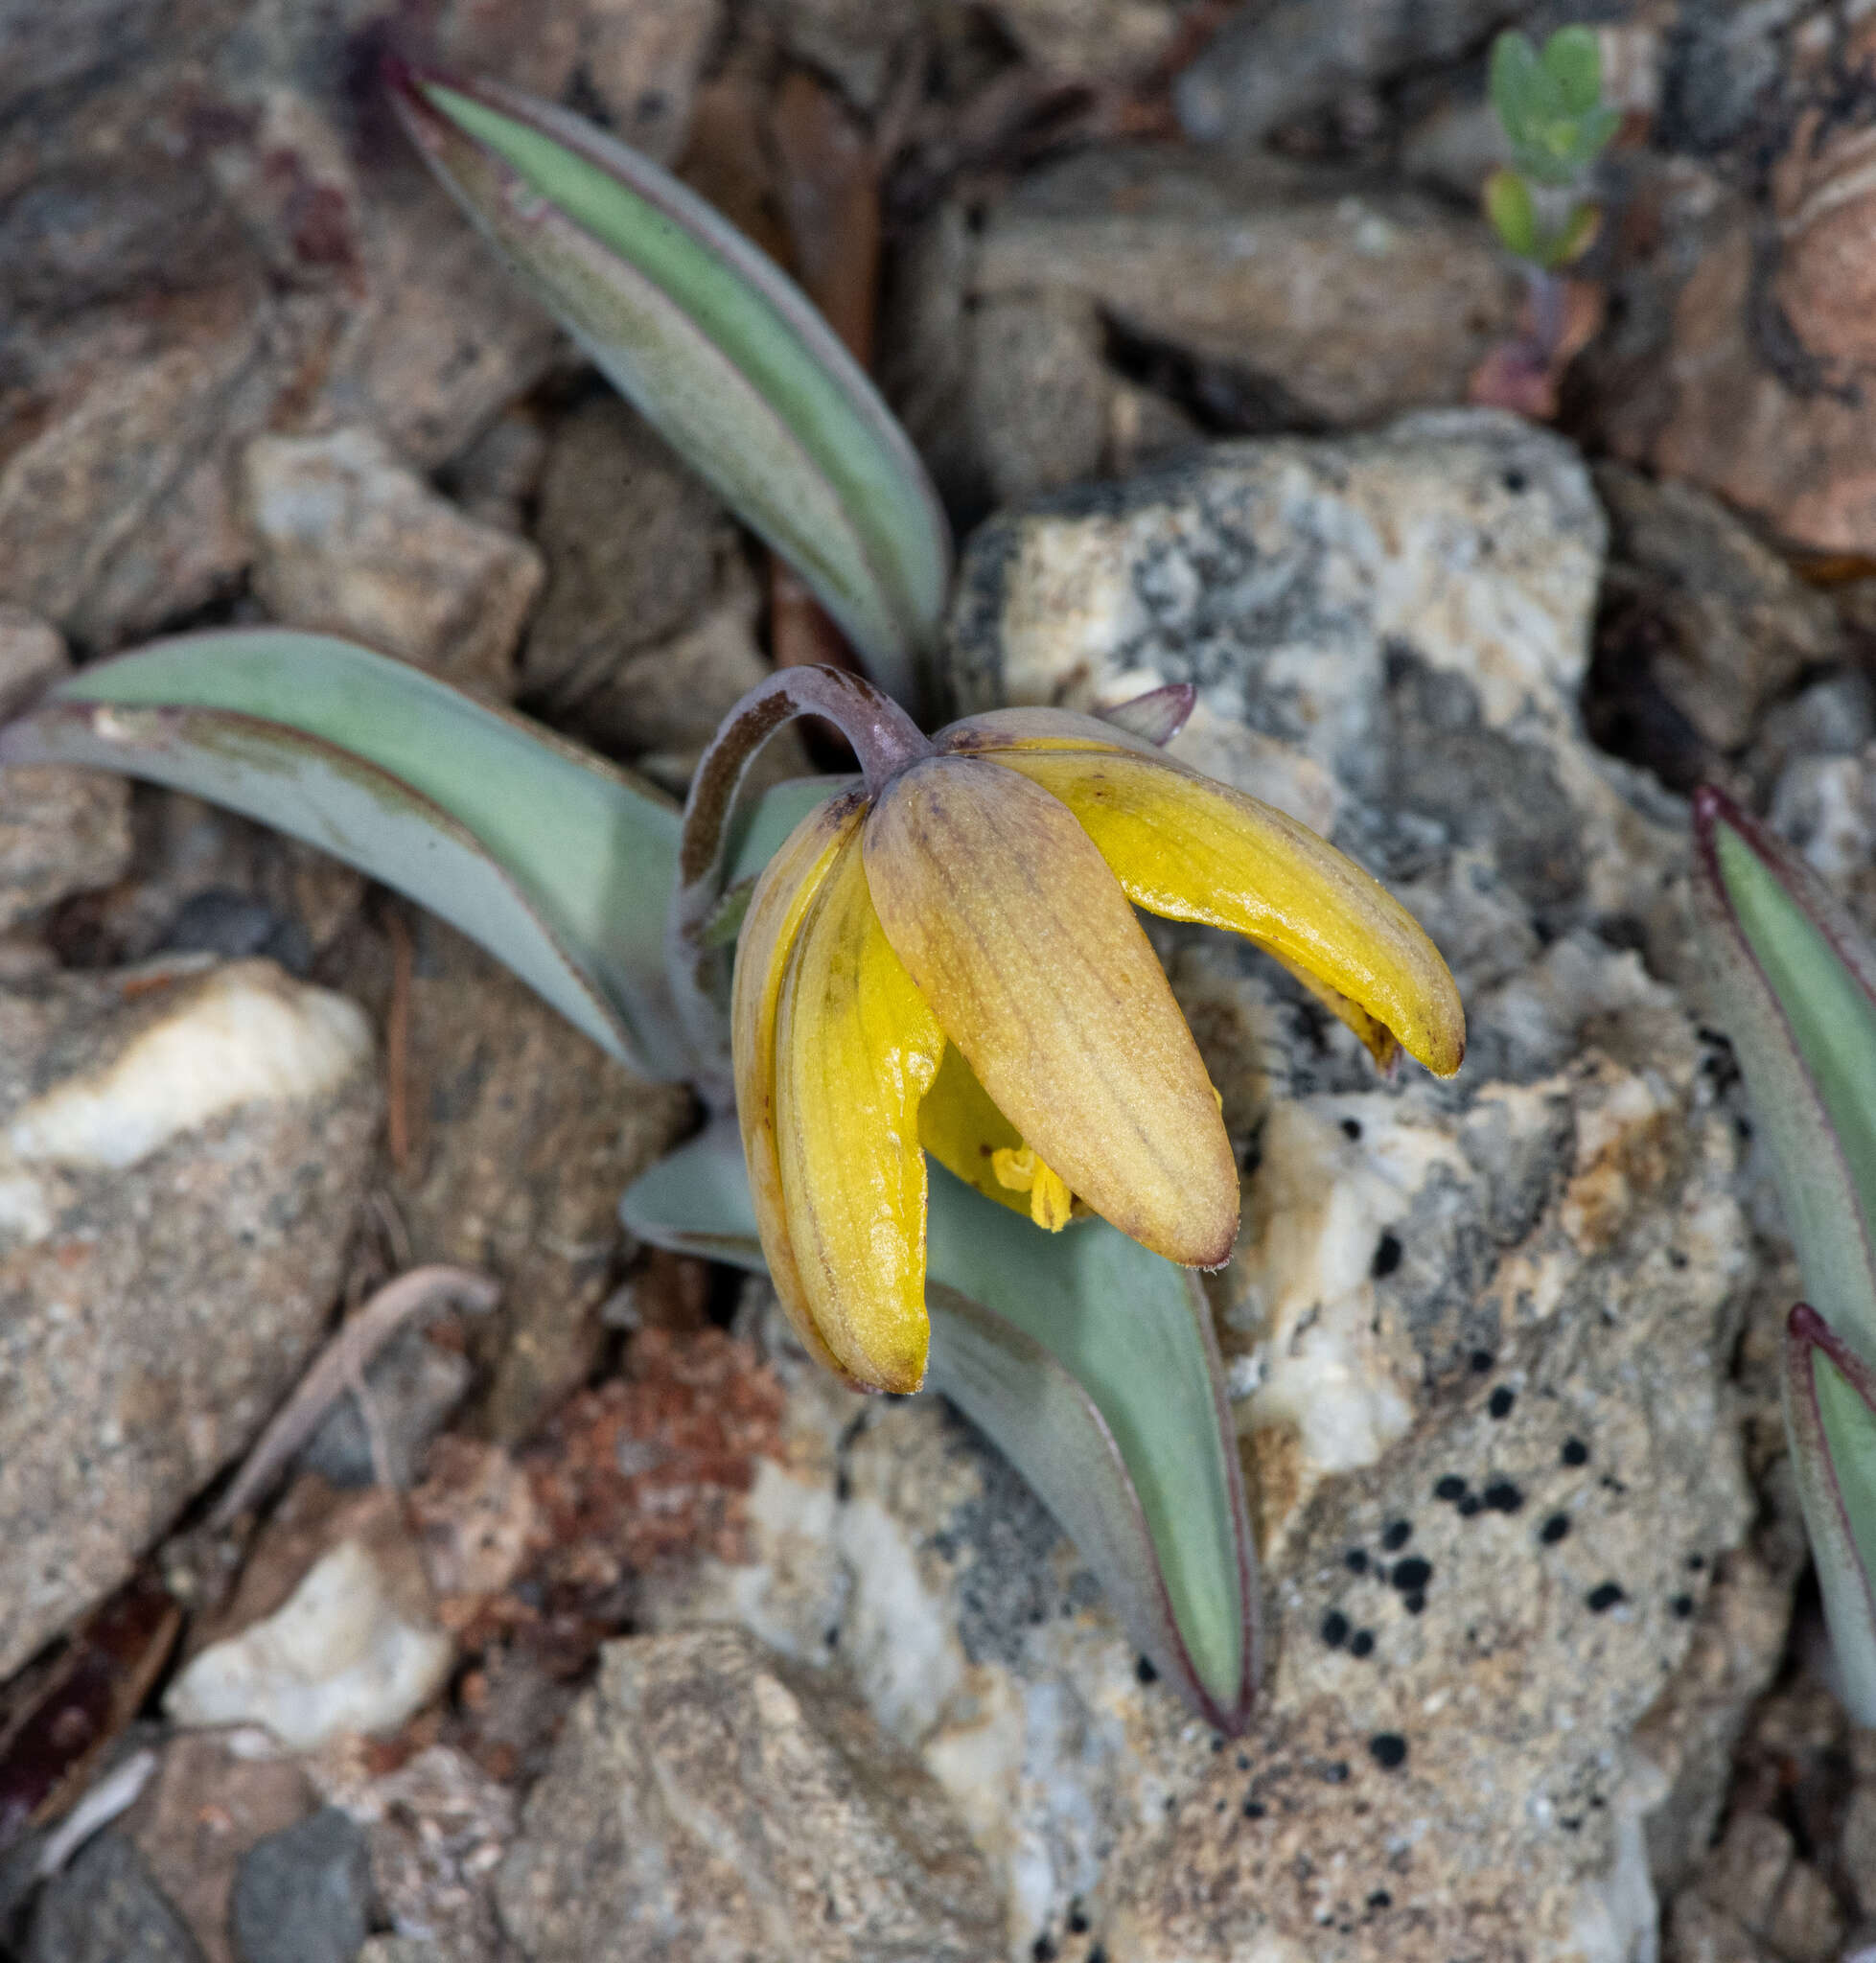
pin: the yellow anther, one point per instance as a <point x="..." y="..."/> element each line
<point x="1050" y="1202"/>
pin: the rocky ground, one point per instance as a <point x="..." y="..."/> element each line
<point x="603" y="1625"/>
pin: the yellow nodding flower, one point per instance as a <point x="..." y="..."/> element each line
<point x="949" y="961"/>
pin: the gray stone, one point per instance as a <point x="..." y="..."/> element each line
<point x="1271" y="64"/>
<point x="351" y="542"/>
<point x="63" y="831"/>
<point x="523" y="1137"/>
<point x="636" y="547"/>
<point x="104" y="1909"/>
<point x="303" y="1894"/>
<point x="1527" y="1279"/>
<point x="710" y="1801"/>
<point x="181" y="1152"/>
<point x="1726" y="625"/>
<point x="1259" y="285"/>
<point x="222" y="233"/>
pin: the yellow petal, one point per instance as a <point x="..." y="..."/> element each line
<point x="856" y="1048"/>
<point x="784" y="895"/>
<point x="1018" y="936"/>
<point x="1191" y="849"/>
<point x="964" y="1131"/>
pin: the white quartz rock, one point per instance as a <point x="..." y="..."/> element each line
<point x="338" y="1655"/>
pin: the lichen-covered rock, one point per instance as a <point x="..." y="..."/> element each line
<point x="1476" y="1333"/>
<point x="710" y="1801"/>
<point x="351" y="542"/>
<point x="180" y="1152"/>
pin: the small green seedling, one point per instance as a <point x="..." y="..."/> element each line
<point x="1551" y="108"/>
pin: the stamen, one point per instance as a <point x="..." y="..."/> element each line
<point x="1021" y="1171"/>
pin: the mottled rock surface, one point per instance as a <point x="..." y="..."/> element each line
<point x="63" y="831"/>
<point x="1476" y="1333"/>
<point x="710" y="1801"/>
<point x="522" y="1138"/>
<point x="212" y="229"/>
<point x="351" y="542"/>
<point x="183" y="1155"/>
<point x="105" y="1906"/>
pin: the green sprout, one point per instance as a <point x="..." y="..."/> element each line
<point x="1086" y="1355"/>
<point x="1551" y="108"/>
<point x="1795" y="985"/>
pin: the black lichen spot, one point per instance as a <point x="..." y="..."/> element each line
<point x="1043" y="1949"/>
<point x="1482" y="1361"/>
<point x="1603" y="1597"/>
<point x="1387" y="1257"/>
<point x="1362" y="1643"/>
<point x="1501" y="1401"/>
<point x="1503" y="1497"/>
<point x="1335" y="1628"/>
<point x="1335" y="1772"/>
<point x="1351" y="1127"/>
<point x="1255" y="1809"/>
<point x="1078" y="1921"/>
<point x="1469" y="1505"/>
<point x="1397" y="1535"/>
<point x="1380" y="1898"/>
<point x="1696" y="1563"/>
<point x="1575" y="1452"/>
<point x="1411" y="1574"/>
<point x="1217" y="1744"/>
<point x="1554" y="1528"/>
<point x="1450" y="1489"/>
<point x="1356" y="1561"/>
<point x="1244" y="1762"/>
<point x="1143" y="1670"/>
<point x="1515" y="482"/>
<point x="1682" y="1606"/>
<point x="1414" y="1603"/>
<point x="1389" y="1749"/>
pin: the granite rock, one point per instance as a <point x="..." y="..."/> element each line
<point x="349" y="540"/>
<point x="1477" y="1334"/>
<point x="709" y="1800"/>
<point x="183" y="1149"/>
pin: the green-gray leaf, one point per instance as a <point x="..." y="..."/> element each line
<point x="715" y="346"/>
<point x="1091" y="1365"/>
<point x="1830" y="1416"/>
<point x="558" y="864"/>
<point x="1794" y="983"/>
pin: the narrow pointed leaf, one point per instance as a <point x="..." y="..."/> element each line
<point x="557" y="863"/>
<point x="714" y="345"/>
<point x="1091" y="1365"/>
<point x="1830" y="1413"/>
<point x="1796" y="989"/>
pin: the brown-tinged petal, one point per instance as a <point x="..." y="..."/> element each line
<point x="856" y="1048"/>
<point x="783" y="897"/>
<point x="1019" y="937"/>
<point x="1187" y="847"/>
